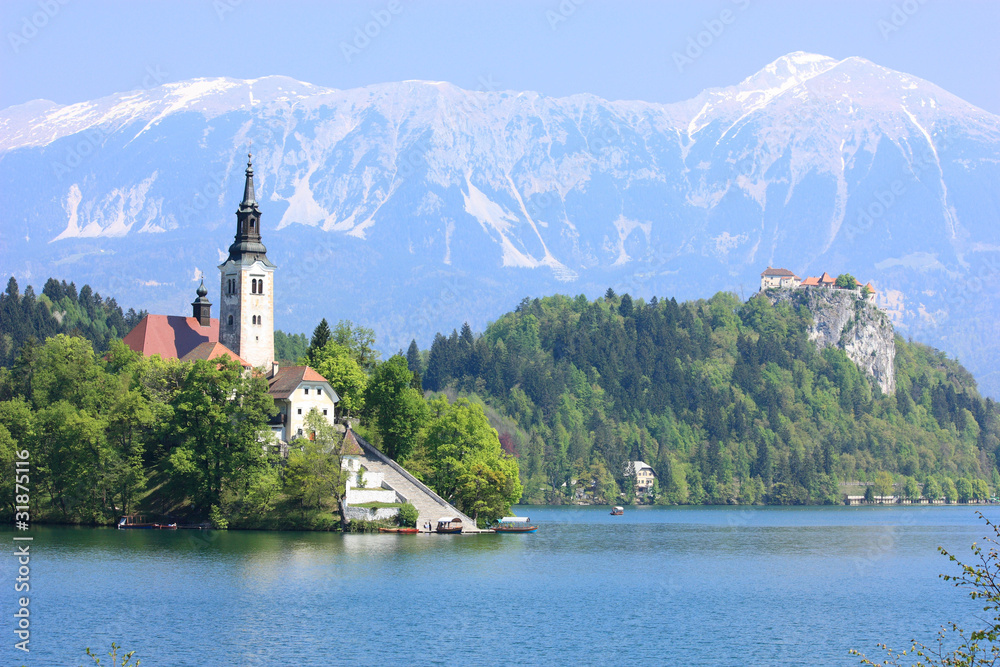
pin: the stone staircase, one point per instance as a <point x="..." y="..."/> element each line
<point x="430" y="505"/>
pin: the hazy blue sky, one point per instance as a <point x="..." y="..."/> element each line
<point x="73" y="50"/>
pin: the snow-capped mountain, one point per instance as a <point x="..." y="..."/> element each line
<point x="414" y="206"/>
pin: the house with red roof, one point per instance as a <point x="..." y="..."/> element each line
<point x="244" y="331"/>
<point x="296" y="390"/>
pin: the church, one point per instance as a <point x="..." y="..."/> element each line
<point x="244" y="330"/>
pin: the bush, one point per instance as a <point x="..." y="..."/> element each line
<point x="847" y="281"/>
<point x="408" y="516"/>
<point x="218" y="520"/>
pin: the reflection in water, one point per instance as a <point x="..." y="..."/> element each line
<point x="680" y="585"/>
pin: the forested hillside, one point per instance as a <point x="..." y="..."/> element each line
<point x="59" y="309"/>
<point x="728" y="401"/>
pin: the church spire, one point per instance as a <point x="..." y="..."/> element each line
<point x="248" y="247"/>
<point x="249" y="200"/>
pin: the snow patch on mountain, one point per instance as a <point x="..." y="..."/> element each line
<point x="115" y="214"/>
<point x="625" y="226"/>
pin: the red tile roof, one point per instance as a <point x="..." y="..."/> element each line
<point x="211" y="350"/>
<point x="811" y="281"/>
<point x="827" y="279"/>
<point x="170" y="336"/>
<point x="871" y="287"/>
<point x="350" y="446"/>
<point x="288" y="379"/>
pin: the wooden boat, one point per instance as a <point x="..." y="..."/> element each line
<point x="138" y="522"/>
<point x="401" y="531"/>
<point x="514" y="524"/>
<point x="617" y="510"/>
<point x="449" y="525"/>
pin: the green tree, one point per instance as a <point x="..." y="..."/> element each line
<point x="605" y="487"/>
<point x="408" y="515"/>
<point x="336" y="363"/>
<point x="911" y="489"/>
<point x="469" y="466"/>
<point x="16" y="435"/>
<point x="289" y="348"/>
<point x="980" y="490"/>
<point x="220" y="420"/>
<point x="321" y="336"/>
<point x="396" y="409"/>
<point x="883" y="484"/>
<point x="964" y="488"/>
<point x="360" y="341"/>
<point x="949" y="489"/>
<point x="932" y="489"/>
<point x="847" y="281"/>
<point x="415" y="364"/>
<point x="314" y="474"/>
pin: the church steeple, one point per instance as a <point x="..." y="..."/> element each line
<point x="246" y="302"/>
<point x="248" y="245"/>
<point x="249" y="198"/>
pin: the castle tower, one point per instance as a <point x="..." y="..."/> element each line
<point x="246" y="316"/>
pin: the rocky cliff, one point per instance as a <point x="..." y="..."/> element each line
<point x="841" y="318"/>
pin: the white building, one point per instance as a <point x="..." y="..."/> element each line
<point x="643" y="474"/>
<point x="778" y="278"/>
<point x="296" y="390"/>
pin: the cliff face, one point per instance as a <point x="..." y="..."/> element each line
<point x="858" y="327"/>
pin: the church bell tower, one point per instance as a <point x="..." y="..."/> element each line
<point x="246" y="317"/>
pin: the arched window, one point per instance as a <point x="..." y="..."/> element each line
<point x="230" y="320"/>
<point x="260" y="286"/>
<point x="253" y="286"/>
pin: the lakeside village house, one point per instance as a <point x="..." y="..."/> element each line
<point x="785" y="279"/>
<point x="244" y="330"/>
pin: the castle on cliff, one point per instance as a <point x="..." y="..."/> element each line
<point x="772" y="278"/>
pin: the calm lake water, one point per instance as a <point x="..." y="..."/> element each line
<point x="692" y="586"/>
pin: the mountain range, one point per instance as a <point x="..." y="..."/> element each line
<point x="411" y="207"/>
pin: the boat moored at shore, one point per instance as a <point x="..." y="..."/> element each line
<point x="514" y="524"/>
<point x="449" y="525"/>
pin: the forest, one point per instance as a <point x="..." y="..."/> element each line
<point x="730" y="402"/>
<point x="59" y="309"/>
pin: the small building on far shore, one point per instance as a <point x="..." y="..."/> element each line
<point x="643" y="474"/>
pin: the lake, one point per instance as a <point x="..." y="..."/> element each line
<point x="692" y="586"/>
